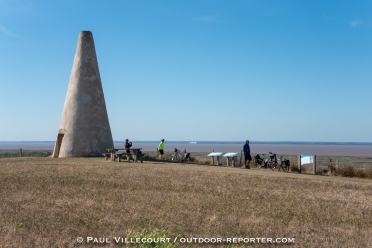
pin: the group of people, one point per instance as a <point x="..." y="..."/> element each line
<point x="246" y="150"/>
<point x="128" y="145"/>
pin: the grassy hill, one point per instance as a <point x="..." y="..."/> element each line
<point x="46" y="202"/>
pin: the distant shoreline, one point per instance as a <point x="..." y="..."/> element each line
<point x="290" y="148"/>
<point x="223" y="142"/>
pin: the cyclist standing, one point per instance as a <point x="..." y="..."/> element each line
<point x="247" y="154"/>
<point x="161" y="149"/>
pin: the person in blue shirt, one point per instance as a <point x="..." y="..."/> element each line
<point x="247" y="154"/>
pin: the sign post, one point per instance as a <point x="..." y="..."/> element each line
<point x="307" y="159"/>
<point x="217" y="155"/>
<point x="230" y="157"/>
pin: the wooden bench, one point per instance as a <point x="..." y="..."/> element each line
<point x="124" y="156"/>
<point x="106" y="155"/>
<point x="139" y="157"/>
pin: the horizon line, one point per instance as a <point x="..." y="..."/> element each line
<point x="216" y="141"/>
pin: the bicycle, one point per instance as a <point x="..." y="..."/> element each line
<point x="257" y="160"/>
<point x="179" y="156"/>
<point x="272" y="161"/>
<point x="262" y="162"/>
<point x="284" y="164"/>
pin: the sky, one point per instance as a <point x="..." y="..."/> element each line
<point x="195" y="70"/>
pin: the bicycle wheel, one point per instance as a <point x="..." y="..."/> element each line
<point x="175" y="157"/>
<point x="264" y="163"/>
<point x="258" y="163"/>
<point x="172" y="158"/>
<point x="286" y="166"/>
<point x="280" y="165"/>
<point x="271" y="165"/>
<point x="179" y="157"/>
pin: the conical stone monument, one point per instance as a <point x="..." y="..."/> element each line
<point x="84" y="129"/>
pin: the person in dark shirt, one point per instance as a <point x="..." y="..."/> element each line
<point x="127" y="145"/>
<point x="247" y="154"/>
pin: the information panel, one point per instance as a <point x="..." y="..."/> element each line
<point x="215" y="154"/>
<point x="307" y="159"/>
<point x="230" y="154"/>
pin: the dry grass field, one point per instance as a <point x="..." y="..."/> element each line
<point x="46" y="202"/>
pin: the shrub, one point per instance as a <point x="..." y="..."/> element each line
<point x="368" y="173"/>
<point x="345" y="171"/>
<point x="199" y="160"/>
<point x="192" y="160"/>
<point x="361" y="173"/>
<point x="350" y="171"/>
<point x="26" y="153"/>
<point x="150" y="157"/>
<point x="321" y="171"/>
<point x="293" y="166"/>
<point x="167" y="156"/>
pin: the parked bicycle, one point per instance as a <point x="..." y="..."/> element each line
<point x="266" y="162"/>
<point x="272" y="162"/>
<point x="179" y="156"/>
<point x="258" y="160"/>
<point x="261" y="162"/>
<point x="284" y="164"/>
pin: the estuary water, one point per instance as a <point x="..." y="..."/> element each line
<point x="290" y="148"/>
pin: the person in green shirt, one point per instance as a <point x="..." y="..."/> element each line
<point x="161" y="149"/>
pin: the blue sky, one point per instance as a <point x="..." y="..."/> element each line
<point x="195" y="69"/>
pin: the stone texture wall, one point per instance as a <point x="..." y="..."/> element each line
<point x="84" y="121"/>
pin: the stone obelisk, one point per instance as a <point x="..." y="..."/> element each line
<point x="84" y="129"/>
